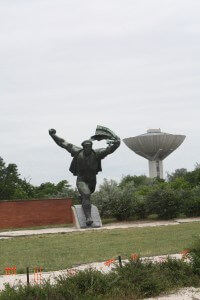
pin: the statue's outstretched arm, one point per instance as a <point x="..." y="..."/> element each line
<point x="59" y="141"/>
<point x="113" y="145"/>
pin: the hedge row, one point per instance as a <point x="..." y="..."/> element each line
<point x="130" y="199"/>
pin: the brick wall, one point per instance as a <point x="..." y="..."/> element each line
<point x="27" y="213"/>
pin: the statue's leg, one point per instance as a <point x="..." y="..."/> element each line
<point x="85" y="196"/>
<point x="92" y="185"/>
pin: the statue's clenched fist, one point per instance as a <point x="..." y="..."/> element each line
<point x="52" y="131"/>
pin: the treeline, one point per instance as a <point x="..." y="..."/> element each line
<point x="140" y="197"/>
<point x="12" y="187"/>
<point x="134" y="197"/>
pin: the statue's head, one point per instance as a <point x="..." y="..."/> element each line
<point x="87" y="147"/>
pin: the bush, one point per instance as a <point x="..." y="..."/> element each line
<point x="195" y="255"/>
<point x="83" y="285"/>
<point x="139" y="201"/>
<point x="191" y="203"/>
<point x="139" y="206"/>
<point x="108" y="192"/>
<point x="164" y="202"/>
<point x="122" y="207"/>
<point x="139" y="196"/>
<point x="114" y="201"/>
<point x="141" y="279"/>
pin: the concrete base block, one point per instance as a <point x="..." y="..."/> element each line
<point x="80" y="220"/>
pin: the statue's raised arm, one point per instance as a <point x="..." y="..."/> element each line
<point x="113" y="141"/>
<point x="60" y="141"/>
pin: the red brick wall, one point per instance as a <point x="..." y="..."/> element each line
<point x="26" y="213"/>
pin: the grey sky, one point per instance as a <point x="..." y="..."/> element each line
<point x="70" y="65"/>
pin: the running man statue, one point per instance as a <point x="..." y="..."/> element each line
<point x="86" y="163"/>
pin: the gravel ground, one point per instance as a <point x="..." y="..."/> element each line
<point x="182" y="294"/>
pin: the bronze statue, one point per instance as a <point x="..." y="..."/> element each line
<point x="86" y="163"/>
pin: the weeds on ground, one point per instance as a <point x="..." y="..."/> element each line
<point x="194" y="253"/>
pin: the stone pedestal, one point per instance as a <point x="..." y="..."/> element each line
<point x="80" y="220"/>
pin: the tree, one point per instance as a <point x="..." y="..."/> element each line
<point x="193" y="177"/>
<point x="11" y="186"/>
<point x="51" y="190"/>
<point x="177" y="174"/>
<point x="179" y="183"/>
<point x="135" y="180"/>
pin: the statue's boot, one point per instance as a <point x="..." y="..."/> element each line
<point x="89" y="221"/>
<point x="87" y="212"/>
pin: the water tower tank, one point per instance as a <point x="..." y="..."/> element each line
<point x="154" y="146"/>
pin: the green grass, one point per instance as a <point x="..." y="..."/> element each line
<point x="60" y="251"/>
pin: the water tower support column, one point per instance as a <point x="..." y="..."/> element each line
<point x="156" y="168"/>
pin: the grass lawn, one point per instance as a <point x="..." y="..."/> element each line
<point x="60" y="251"/>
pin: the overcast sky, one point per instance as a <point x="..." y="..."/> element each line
<point x="129" y="65"/>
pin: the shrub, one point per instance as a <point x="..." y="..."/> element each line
<point x="108" y="192"/>
<point x="122" y="207"/>
<point x="88" y="283"/>
<point x="115" y="201"/>
<point x="191" y="203"/>
<point x="139" y="201"/>
<point x="139" y="278"/>
<point x="195" y="255"/>
<point x="164" y="202"/>
<point x="139" y="206"/>
<point x="177" y="272"/>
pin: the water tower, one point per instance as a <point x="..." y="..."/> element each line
<point x="154" y="146"/>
